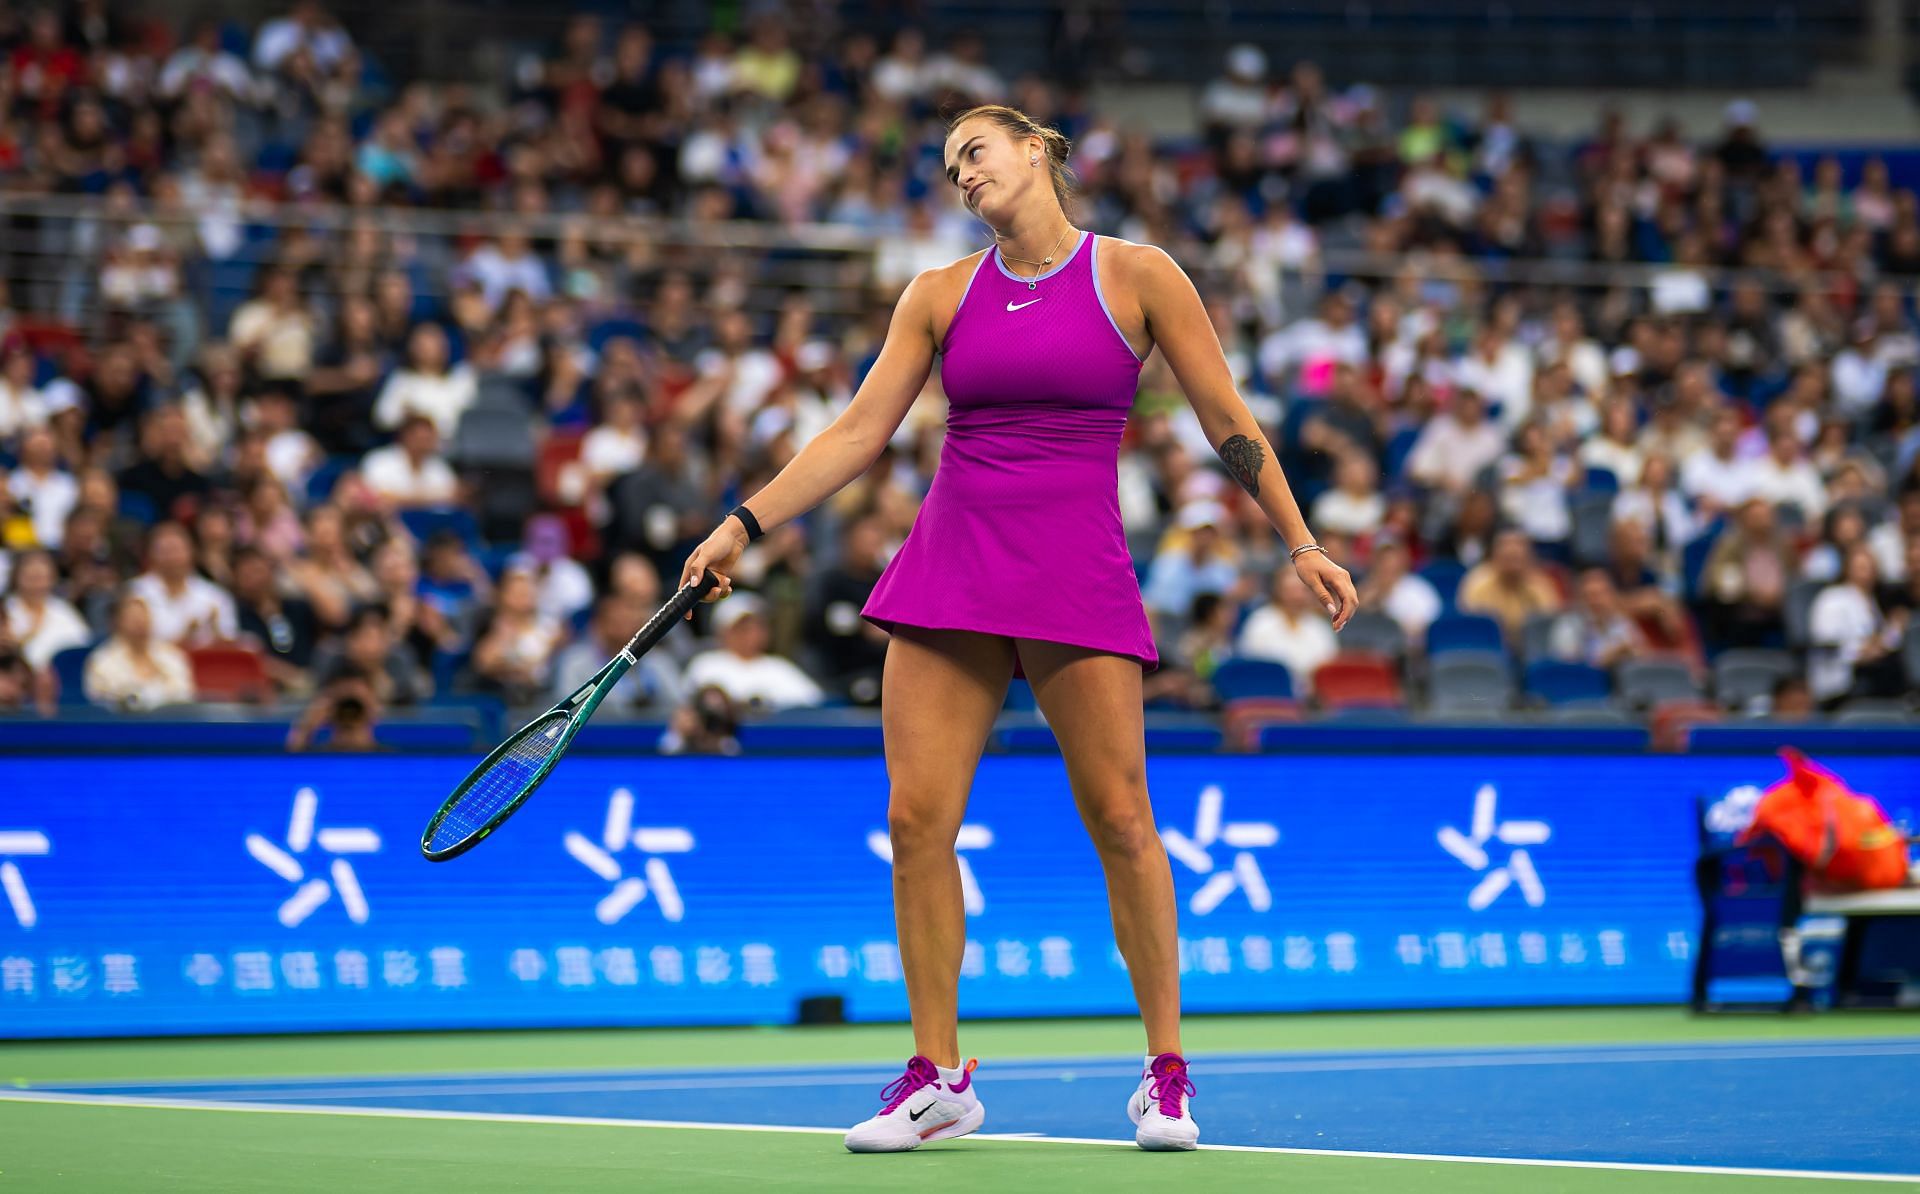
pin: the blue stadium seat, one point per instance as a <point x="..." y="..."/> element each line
<point x="1602" y="480"/>
<point x="1240" y="678"/>
<point x="1444" y="576"/>
<point x="1554" y="682"/>
<point x="69" y="669"/>
<point x="138" y="507"/>
<point x="1464" y="632"/>
<point x="425" y="522"/>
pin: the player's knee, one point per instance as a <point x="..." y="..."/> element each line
<point x="1122" y="828"/>
<point x="916" y="825"/>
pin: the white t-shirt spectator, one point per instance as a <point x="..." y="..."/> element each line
<point x="201" y="612"/>
<point x="1506" y="380"/>
<point x="1311" y="346"/>
<point x="1538" y="506"/>
<point x="292" y="455"/>
<point x="58" y="627"/>
<point x="1798" y="483"/>
<point x="391" y="473"/>
<point x="112" y="677"/>
<point x="1624" y="461"/>
<point x="1302" y="644"/>
<point x="1414" y="603"/>
<point x="564" y="588"/>
<point x="1448" y="453"/>
<point x="281" y="342"/>
<point x="610" y="451"/>
<point x="1347" y="513"/>
<point x="20" y="410"/>
<point x="755" y="374"/>
<point x="767" y="680"/>
<point x="1725" y="482"/>
<point x="1840" y="623"/>
<point x="51" y="497"/>
<point x="442" y="398"/>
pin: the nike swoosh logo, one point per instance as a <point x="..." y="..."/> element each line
<point x="1146" y="1104"/>
<point x="915" y="1115"/>
<point x="1022" y="306"/>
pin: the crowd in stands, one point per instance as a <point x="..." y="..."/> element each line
<point x="262" y="437"/>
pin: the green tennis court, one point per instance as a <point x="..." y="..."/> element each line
<point x="582" y="1110"/>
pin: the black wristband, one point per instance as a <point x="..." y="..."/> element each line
<point x="748" y="521"/>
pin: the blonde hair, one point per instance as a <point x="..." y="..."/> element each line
<point x="1022" y="126"/>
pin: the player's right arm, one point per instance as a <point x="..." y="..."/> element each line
<point x="852" y="442"/>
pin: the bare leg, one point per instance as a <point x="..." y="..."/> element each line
<point x="1092" y="701"/>
<point x="939" y="694"/>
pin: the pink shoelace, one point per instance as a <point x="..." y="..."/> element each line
<point x="1170" y="1081"/>
<point x="919" y="1073"/>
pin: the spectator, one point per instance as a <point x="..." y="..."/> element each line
<point x="328" y="574"/>
<point x="652" y="686"/>
<point x="1596" y="631"/>
<point x="1746" y="577"/>
<point x="1389" y="588"/>
<point x="44" y="491"/>
<point x="1199" y="559"/>
<point x="1855" y="647"/>
<point x="514" y="652"/>
<point x="366" y="654"/>
<point x="409" y="473"/>
<point x="1455" y="446"/>
<point x="1291" y="628"/>
<point x="564" y="587"/>
<point x="1716" y="480"/>
<point x="162" y="473"/>
<point x="1355" y="505"/>
<point x="134" y="669"/>
<point x="39" y="622"/>
<point x="1617" y="447"/>
<point x="1533" y="492"/>
<point x="741" y="666"/>
<point x="850" y="649"/>
<point x="347" y="711"/>
<point x="704" y="725"/>
<point x="1509" y="586"/>
<point x="178" y="605"/>
<point x="427" y="385"/>
<point x="1785" y="476"/>
<point x="283" y="629"/>
<point x="274" y="332"/>
<point x="22" y="404"/>
<point x="20" y="686"/>
<point x="454" y="585"/>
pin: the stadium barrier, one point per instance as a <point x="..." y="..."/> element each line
<point x="203" y="894"/>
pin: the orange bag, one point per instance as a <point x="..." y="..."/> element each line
<point x="1843" y="838"/>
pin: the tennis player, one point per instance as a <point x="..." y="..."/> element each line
<point x="1017" y="564"/>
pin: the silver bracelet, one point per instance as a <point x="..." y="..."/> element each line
<point x="1304" y="548"/>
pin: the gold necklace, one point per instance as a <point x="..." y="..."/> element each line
<point x="1044" y="262"/>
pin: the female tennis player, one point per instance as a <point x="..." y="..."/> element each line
<point x="1017" y="563"/>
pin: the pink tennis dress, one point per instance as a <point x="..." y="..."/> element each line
<point x="1020" y="534"/>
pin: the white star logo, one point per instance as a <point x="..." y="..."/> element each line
<point x="1241" y="836"/>
<point x="970" y="837"/>
<point x="1519" y="865"/>
<point x="628" y="890"/>
<point x="17" y="843"/>
<point x="314" y="892"/>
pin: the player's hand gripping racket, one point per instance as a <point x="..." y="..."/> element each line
<point x="497" y="788"/>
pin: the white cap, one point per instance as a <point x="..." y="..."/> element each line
<point x="61" y="395"/>
<point x="1201" y="514"/>
<point x="735" y="607"/>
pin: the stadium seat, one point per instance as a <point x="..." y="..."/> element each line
<point x="559" y="456"/>
<point x="1592" y="528"/>
<point x="1693" y="557"/>
<point x="1536" y="637"/>
<point x="226" y="672"/>
<point x="1602" y="480"/>
<point x="1242" y="720"/>
<point x="1238" y="679"/>
<point x="1464" y="632"/>
<point x="493" y="438"/>
<point x="1588" y="713"/>
<point x="1644" y="683"/>
<point x="1375" y="633"/>
<point x="1865" y="712"/>
<point x="1555" y="682"/>
<point x="69" y="671"/>
<point x="1357" y="681"/>
<point x="1469" y="683"/>
<point x="1744" y="675"/>
<point x="1799" y="610"/>
<point x="426" y="521"/>
<point x="1444" y="576"/>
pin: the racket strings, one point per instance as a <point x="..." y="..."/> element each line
<point x="497" y="787"/>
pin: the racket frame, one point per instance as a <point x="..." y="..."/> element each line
<point x="577" y="707"/>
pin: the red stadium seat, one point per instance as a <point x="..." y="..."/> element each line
<point x="1358" y="681"/>
<point x="228" y="672"/>
<point x="559" y="455"/>
<point x="1242" y="720"/>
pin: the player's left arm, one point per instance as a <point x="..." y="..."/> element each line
<point x="1178" y="323"/>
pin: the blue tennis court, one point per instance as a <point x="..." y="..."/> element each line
<point x="1806" y="1106"/>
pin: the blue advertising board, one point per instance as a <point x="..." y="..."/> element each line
<point x="172" y="895"/>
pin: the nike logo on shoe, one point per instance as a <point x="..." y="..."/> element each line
<point x="1022" y="306"/>
<point x="1146" y="1104"/>
<point x="915" y="1115"/>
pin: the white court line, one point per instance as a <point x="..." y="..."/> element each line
<point x="1437" y="1056"/>
<point x="458" y="1086"/>
<point x="1010" y="1138"/>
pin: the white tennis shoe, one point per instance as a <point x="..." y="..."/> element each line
<point x="923" y="1104"/>
<point x="1162" y="1120"/>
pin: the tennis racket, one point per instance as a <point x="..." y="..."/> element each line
<point x="497" y="788"/>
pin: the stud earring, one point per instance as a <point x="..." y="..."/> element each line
<point x="1033" y="161"/>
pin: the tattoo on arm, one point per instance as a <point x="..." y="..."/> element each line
<point x="1244" y="458"/>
